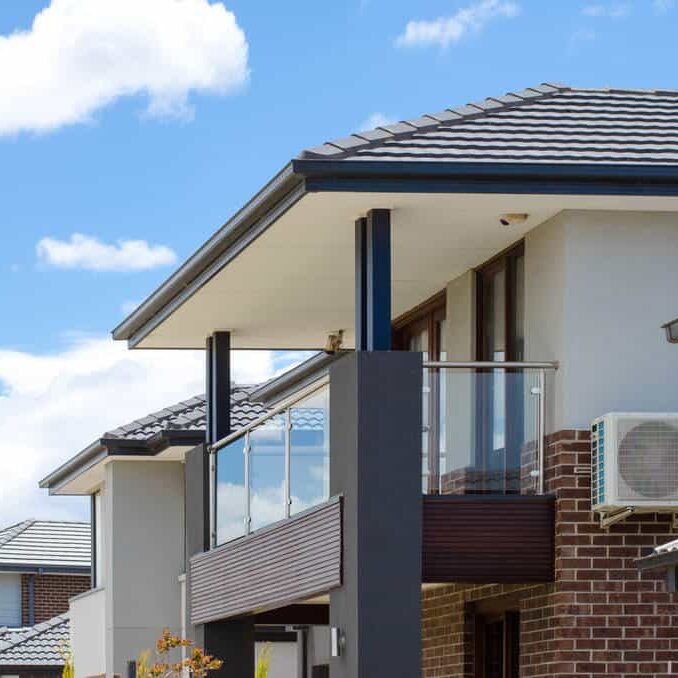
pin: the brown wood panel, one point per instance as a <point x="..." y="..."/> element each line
<point x="488" y="539"/>
<point x="275" y="566"/>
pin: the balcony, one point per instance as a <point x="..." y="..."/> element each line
<point x="485" y="516"/>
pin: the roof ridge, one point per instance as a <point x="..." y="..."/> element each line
<point x="13" y="531"/>
<point x="428" y="121"/>
<point x="34" y="631"/>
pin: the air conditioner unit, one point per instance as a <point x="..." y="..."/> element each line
<point x="634" y="462"/>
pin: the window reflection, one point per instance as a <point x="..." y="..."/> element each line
<point x="231" y="493"/>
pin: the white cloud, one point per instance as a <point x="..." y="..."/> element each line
<point x="89" y="253"/>
<point x="610" y="11"/>
<point x="81" y="55"/>
<point x="377" y="120"/>
<point x="52" y="406"/>
<point x="663" y="6"/>
<point x="127" y="307"/>
<point x="445" y="31"/>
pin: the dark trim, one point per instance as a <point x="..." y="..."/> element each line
<point x="47" y="569"/>
<point x="361" y="284"/>
<point x="274" y="635"/>
<point x="107" y="447"/>
<point x="491" y="177"/>
<point x="301" y="614"/>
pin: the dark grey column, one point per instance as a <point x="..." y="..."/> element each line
<point x="218" y="386"/>
<point x="375" y="463"/>
<point x="373" y="281"/>
<point x="233" y="642"/>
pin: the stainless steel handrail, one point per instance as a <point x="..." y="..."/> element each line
<point x="487" y="364"/>
<point x="540" y="390"/>
<point x="273" y="412"/>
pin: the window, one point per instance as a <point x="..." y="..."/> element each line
<point x="424" y="329"/>
<point x="10" y="600"/>
<point x="500" y="296"/>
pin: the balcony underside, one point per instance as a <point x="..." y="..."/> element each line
<point x="466" y="539"/>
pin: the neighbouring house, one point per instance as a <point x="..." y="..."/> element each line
<point x="497" y="275"/>
<point x="37" y="651"/>
<point x="136" y="477"/>
<point x="43" y="564"/>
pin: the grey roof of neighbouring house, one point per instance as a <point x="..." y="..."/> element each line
<point x="48" y="545"/>
<point x="38" y="646"/>
<point x="550" y="123"/>
<point x="190" y="415"/>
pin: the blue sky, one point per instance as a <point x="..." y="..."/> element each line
<point x="318" y="70"/>
<point x="125" y="121"/>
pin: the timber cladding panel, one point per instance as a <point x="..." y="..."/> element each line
<point x="292" y="560"/>
<point x="481" y="539"/>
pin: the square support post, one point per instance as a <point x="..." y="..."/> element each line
<point x="373" y="281"/>
<point x="375" y="438"/>
<point x="233" y="641"/>
<point x="218" y="386"/>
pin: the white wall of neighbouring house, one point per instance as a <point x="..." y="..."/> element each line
<point x="283" y="659"/>
<point x="88" y="632"/>
<point x="144" y="523"/>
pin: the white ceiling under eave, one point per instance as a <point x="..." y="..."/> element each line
<point x="295" y="284"/>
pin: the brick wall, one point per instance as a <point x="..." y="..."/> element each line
<point x="51" y="594"/>
<point x="601" y="616"/>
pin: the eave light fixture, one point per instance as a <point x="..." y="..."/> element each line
<point x="671" y="330"/>
<point x="513" y="218"/>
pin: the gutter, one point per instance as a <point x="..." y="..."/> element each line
<point x="107" y="447"/>
<point x="302" y="176"/>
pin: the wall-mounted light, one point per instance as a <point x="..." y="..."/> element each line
<point x="513" y="218"/>
<point x="671" y="330"/>
<point x="337" y="642"/>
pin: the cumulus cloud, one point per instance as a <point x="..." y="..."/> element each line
<point x="610" y="11"/>
<point x="445" y="31"/>
<point x="90" y="254"/>
<point x="52" y="406"/>
<point x="377" y="120"/>
<point x="81" y="55"/>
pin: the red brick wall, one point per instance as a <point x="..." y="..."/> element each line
<point x="51" y="594"/>
<point x="601" y="617"/>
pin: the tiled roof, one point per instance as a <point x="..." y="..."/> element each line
<point x="549" y="123"/>
<point x="189" y="415"/>
<point x="39" y="645"/>
<point x="669" y="547"/>
<point x="45" y="543"/>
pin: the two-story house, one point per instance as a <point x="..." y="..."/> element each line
<point x="43" y="564"/>
<point x="136" y="477"/>
<point x="512" y="260"/>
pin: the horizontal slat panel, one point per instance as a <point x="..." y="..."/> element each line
<point x="488" y="540"/>
<point x="292" y="560"/>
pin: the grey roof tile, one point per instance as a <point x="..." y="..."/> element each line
<point x="44" y="543"/>
<point x="549" y="123"/>
<point x="40" y="645"/>
<point x="189" y="415"/>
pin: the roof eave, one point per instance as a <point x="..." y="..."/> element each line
<point x="304" y="175"/>
<point x="286" y="186"/>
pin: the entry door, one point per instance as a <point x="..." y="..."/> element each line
<point x="497" y="653"/>
<point x="500" y="331"/>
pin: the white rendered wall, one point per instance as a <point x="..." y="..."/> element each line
<point x="88" y="631"/>
<point x="283" y="659"/>
<point x="144" y="547"/>
<point x="598" y="287"/>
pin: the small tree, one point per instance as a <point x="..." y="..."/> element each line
<point x="196" y="664"/>
<point x="264" y="662"/>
